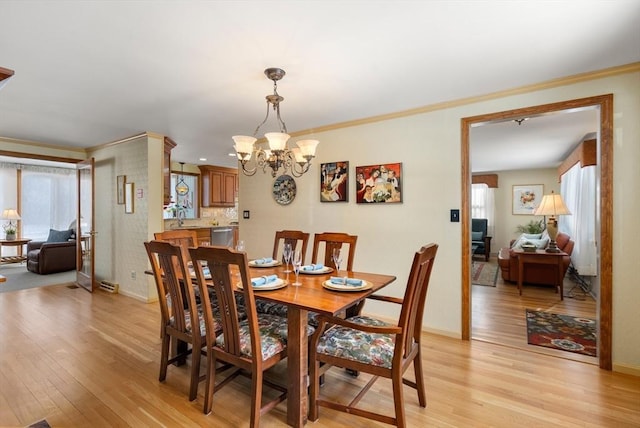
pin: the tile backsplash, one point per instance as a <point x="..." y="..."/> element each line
<point x="209" y="217"/>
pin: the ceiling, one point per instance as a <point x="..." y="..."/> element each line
<point x="88" y="73"/>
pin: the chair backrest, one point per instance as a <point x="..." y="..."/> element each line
<point x="173" y="282"/>
<point x="290" y="237"/>
<point x="183" y="238"/>
<point x="333" y="240"/>
<point x="415" y="295"/>
<point x="219" y="261"/>
<point x="479" y="225"/>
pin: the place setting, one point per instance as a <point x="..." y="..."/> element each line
<point x="266" y="283"/>
<point x="265" y="262"/>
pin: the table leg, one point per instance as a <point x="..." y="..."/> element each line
<point x="520" y="274"/>
<point x="560" y="278"/>
<point x="297" y="365"/>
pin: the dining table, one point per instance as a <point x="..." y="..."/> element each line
<point x="312" y="295"/>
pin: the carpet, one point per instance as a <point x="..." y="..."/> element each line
<point x="564" y="332"/>
<point x="483" y="273"/>
<point x="19" y="278"/>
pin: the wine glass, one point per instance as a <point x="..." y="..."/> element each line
<point x="297" y="264"/>
<point x="337" y="258"/>
<point x="287" y="252"/>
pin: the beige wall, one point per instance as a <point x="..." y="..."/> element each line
<point x="428" y="145"/>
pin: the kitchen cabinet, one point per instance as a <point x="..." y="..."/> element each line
<point x="169" y="144"/>
<point x="219" y="186"/>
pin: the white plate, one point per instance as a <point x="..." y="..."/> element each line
<point x="253" y="263"/>
<point x="278" y="283"/>
<point x="325" y="269"/>
<point x="205" y="271"/>
<point x="344" y="287"/>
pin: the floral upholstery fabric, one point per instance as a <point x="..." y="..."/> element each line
<point x="272" y="308"/>
<point x="369" y="348"/>
<point x="272" y="339"/>
<point x="188" y="326"/>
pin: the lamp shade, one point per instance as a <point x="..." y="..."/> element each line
<point x="277" y="140"/>
<point x="10" y="214"/>
<point x="308" y="147"/>
<point x="552" y="205"/>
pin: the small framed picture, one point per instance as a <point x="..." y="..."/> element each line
<point x="379" y="183"/>
<point x="334" y="182"/>
<point x="128" y="198"/>
<point x="526" y="198"/>
<point x="121" y="179"/>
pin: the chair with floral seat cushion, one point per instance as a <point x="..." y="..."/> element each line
<point x="178" y="310"/>
<point x="331" y="241"/>
<point x="368" y="345"/>
<point x="252" y="345"/>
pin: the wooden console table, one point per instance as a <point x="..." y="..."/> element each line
<point x="544" y="258"/>
<point x="13" y="243"/>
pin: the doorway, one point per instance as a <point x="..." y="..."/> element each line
<point x="605" y="206"/>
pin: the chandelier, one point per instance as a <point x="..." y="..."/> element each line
<point x="297" y="160"/>
<point x="182" y="188"/>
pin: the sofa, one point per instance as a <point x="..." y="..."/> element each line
<point x="534" y="273"/>
<point x="57" y="254"/>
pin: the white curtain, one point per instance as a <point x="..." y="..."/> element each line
<point x="49" y="200"/>
<point x="578" y="188"/>
<point x="483" y="205"/>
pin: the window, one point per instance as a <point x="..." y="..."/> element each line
<point x="187" y="203"/>
<point x="483" y="204"/>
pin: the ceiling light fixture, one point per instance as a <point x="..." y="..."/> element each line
<point x="182" y="188"/>
<point x="297" y="160"/>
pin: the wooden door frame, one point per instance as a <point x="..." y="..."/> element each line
<point x="605" y="162"/>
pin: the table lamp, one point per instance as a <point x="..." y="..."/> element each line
<point x="552" y="205"/>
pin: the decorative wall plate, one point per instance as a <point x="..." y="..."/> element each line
<point x="284" y="189"/>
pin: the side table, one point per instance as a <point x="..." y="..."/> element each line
<point x="541" y="257"/>
<point x="20" y="257"/>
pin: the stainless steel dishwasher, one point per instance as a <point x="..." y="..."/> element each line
<point x="222" y="236"/>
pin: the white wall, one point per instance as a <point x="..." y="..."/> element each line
<point x="428" y="145"/>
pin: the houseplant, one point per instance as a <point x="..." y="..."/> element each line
<point x="9" y="231"/>
<point x="531" y="227"/>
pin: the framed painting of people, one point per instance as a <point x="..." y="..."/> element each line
<point x="334" y="182"/>
<point x="380" y="183"/>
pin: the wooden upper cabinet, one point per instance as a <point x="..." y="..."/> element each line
<point x="169" y="144"/>
<point x="219" y="186"/>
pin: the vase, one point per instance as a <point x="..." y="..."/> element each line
<point x="10" y="236"/>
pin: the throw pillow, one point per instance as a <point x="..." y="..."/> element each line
<point x="532" y="235"/>
<point x="59" y="235"/>
<point x="476" y="236"/>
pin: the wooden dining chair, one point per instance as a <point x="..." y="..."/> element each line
<point x="180" y="316"/>
<point x="252" y="345"/>
<point x="183" y="238"/>
<point x="369" y="345"/>
<point x="332" y="240"/>
<point x="297" y="238"/>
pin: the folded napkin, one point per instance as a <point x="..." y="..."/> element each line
<point x="318" y="266"/>
<point x="263" y="280"/>
<point x="346" y="281"/>
<point x="263" y="261"/>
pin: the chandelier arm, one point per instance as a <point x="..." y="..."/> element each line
<point x="263" y="122"/>
<point x="283" y="126"/>
<point x="248" y="172"/>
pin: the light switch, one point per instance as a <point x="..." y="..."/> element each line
<point x="245" y="214"/>
<point x="455" y="216"/>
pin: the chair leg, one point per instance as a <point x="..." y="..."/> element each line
<point x="164" y="359"/>
<point x="256" y="398"/>
<point x="398" y="402"/>
<point x="417" y="368"/>
<point x="210" y="382"/>
<point x="314" y="389"/>
<point x="195" y="373"/>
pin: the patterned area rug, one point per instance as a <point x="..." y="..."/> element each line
<point x="483" y="273"/>
<point x="564" y="332"/>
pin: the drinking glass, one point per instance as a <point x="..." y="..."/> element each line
<point x="240" y="246"/>
<point x="337" y="258"/>
<point x="287" y="253"/>
<point x="297" y="264"/>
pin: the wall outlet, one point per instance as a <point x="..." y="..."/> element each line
<point x="133" y="274"/>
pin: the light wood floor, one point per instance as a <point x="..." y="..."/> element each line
<point x="80" y="359"/>
<point x="498" y="313"/>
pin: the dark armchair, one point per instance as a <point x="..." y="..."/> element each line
<point x="480" y="242"/>
<point x="51" y="257"/>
